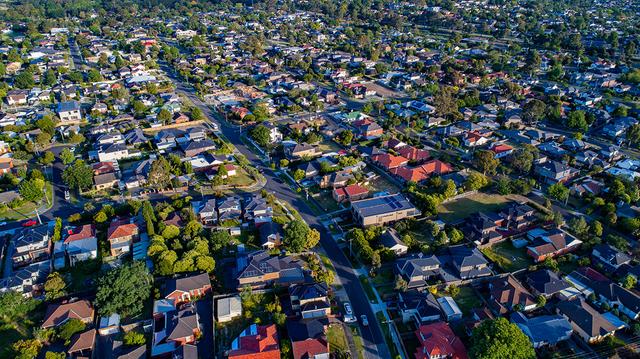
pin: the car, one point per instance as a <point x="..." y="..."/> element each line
<point x="364" y="320"/>
<point x="67" y="195"/>
<point x="3" y="223"/>
<point x="348" y="314"/>
<point x="30" y="223"/>
<point x="347" y="309"/>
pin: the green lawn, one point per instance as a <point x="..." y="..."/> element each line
<point x="337" y="339"/>
<point x="387" y="334"/>
<point x="358" y="341"/>
<point x="368" y="289"/>
<point x="461" y="208"/>
<point x="381" y="184"/>
<point x="241" y="179"/>
<point x="507" y="257"/>
<point x="467" y="300"/>
<point x="26" y="210"/>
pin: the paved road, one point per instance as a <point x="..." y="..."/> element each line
<point x="374" y="344"/>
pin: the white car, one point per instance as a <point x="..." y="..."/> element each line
<point x="67" y="195"/>
<point x="348" y="314"/>
<point x="365" y="321"/>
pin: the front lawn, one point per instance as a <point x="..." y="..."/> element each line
<point x="387" y="333"/>
<point x="337" y="339"/>
<point x="28" y="208"/>
<point x="462" y="208"/>
<point x="368" y="289"/>
<point x="508" y="257"/>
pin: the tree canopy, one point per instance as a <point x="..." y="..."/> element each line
<point x="498" y="339"/>
<point x="124" y="290"/>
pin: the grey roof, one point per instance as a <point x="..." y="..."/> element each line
<point x="181" y="324"/>
<point x="309" y="291"/>
<point x="228" y="306"/>
<point x="546" y="282"/>
<point x="610" y="255"/>
<point x="68" y="106"/>
<point x="585" y="317"/>
<point x="187" y="283"/>
<point x="187" y="351"/>
<point x="390" y="238"/>
<point x="381" y="205"/>
<point x="547" y="329"/>
<point x="305" y="329"/>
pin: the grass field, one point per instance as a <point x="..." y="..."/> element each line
<point x="337" y="339"/>
<point x="368" y="289"/>
<point x="461" y="208"/>
<point x="467" y="300"/>
<point x="508" y="257"/>
<point x="241" y="179"/>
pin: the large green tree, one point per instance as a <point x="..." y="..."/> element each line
<point x="486" y="161"/>
<point x="160" y="174"/>
<point x="124" y="290"/>
<point x="298" y="237"/>
<point x="78" y="175"/>
<point x="498" y="339"/>
<point x="261" y="135"/>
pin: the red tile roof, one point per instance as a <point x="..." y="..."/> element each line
<point x="438" y="340"/>
<point x="309" y="348"/>
<point x="501" y="148"/>
<point x="420" y="173"/>
<point x="118" y="229"/>
<point x="413" y="153"/>
<point x="263" y="345"/>
<point x="389" y="161"/>
<point x="80" y="233"/>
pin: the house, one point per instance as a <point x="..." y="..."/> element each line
<point x="507" y="294"/>
<point x="270" y="235"/>
<point x="17" y="97"/>
<point x="554" y="172"/>
<point x="187" y="288"/>
<point x="546" y="283"/>
<point x="194" y="148"/>
<point x="32" y="245"/>
<point x="229" y="308"/>
<point x="586" y="322"/>
<point x="275" y="136"/>
<point x="544" y="330"/>
<point x="207" y="212"/>
<point x="338" y="179"/>
<point x="610" y="257"/>
<point x="552" y="243"/>
<point x="256" y="342"/>
<point x="81" y="243"/>
<point x="58" y="314"/>
<point x="82" y="344"/>
<point x="367" y="129"/>
<point x="389" y="161"/>
<point x="6" y="164"/>
<point x="501" y="150"/>
<point x="121" y="235"/>
<point x="310" y="300"/>
<point x="104" y="181"/>
<point x="69" y="112"/>
<point x="28" y="281"/>
<point x="421" y="307"/>
<point x="390" y="239"/>
<point x="257" y="209"/>
<point x="173" y="328"/>
<point x="112" y="152"/>
<point x="414" y="154"/>
<point x="419" y="270"/>
<point x="259" y="269"/>
<point x="308" y="338"/>
<point x="229" y="208"/>
<point x="350" y="193"/>
<point x="382" y="210"/>
<point x="482" y="228"/>
<point x="437" y="340"/>
<point x="422" y="172"/>
<point x="300" y="150"/>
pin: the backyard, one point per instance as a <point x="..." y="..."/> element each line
<point x="461" y="208"/>
<point x="27" y="209"/>
<point x="467" y="299"/>
<point x="508" y="257"/>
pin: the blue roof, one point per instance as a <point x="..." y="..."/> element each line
<point x="68" y="106"/>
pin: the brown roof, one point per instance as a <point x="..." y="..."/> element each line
<point x="118" y="229"/>
<point x="83" y="341"/>
<point x="59" y="313"/>
<point x="80" y="233"/>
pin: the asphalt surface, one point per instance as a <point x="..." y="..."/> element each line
<point x="374" y="343"/>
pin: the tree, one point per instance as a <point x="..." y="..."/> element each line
<point x="298" y="237"/>
<point x="578" y="121"/>
<point x="444" y="101"/>
<point x="196" y="114"/>
<point x="486" y="161"/>
<point x="630" y="281"/>
<point x="55" y="355"/>
<point x="47" y="158"/>
<point x="475" y="181"/>
<point x="345" y="137"/>
<point x="133" y="338"/>
<point x="26" y="348"/>
<point x="160" y="174"/>
<point x="24" y="80"/>
<point x="596" y="228"/>
<point x="124" y="290"/>
<point x="164" y="116"/>
<point x="522" y="160"/>
<point x="69" y="328"/>
<point x="219" y="240"/>
<point x="533" y="111"/>
<point x="67" y="156"/>
<point x="205" y="264"/>
<point x="401" y="284"/>
<point x="149" y="216"/>
<point x="298" y="174"/>
<point x="541" y="300"/>
<point x="14" y="307"/>
<point x="94" y="76"/>
<point x="261" y="135"/>
<point x="49" y="78"/>
<point x="78" y="175"/>
<point x="633" y="134"/>
<point x="32" y="189"/>
<point x="54" y="287"/>
<point x="497" y="339"/>
<point x="558" y="191"/>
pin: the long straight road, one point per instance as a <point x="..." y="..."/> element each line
<point x="374" y="343"/>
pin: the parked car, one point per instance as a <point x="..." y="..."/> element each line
<point x="67" y="195"/>
<point x="365" y="321"/>
<point x="30" y="223"/>
<point x="348" y="313"/>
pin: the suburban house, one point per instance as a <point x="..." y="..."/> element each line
<point x="207" y="211"/>
<point x="58" y="314"/>
<point x="554" y="172"/>
<point x="421" y="307"/>
<point x="417" y="271"/>
<point x="610" y="257"/>
<point x="300" y="150"/>
<point x="437" y="340"/>
<point x="32" y="245"/>
<point x="229" y="308"/>
<point x="270" y="235"/>
<point x="259" y="269"/>
<point x="382" y="210"/>
<point x="310" y="300"/>
<point x="82" y="344"/>
<point x="188" y="288"/>
<point x="28" y="281"/>
<point x="256" y="342"/>
<point x="308" y="338"/>
<point x="121" y="235"/>
<point x="544" y="330"/>
<point x="350" y="193"/>
<point x="390" y="239"/>
<point x="112" y="152"/>
<point x="81" y="243"/>
<point x="586" y="322"/>
<point x="389" y="161"/>
<point x="69" y="112"/>
<point x="173" y="328"/>
<point x="507" y="294"/>
<point x="546" y="283"/>
<point x="552" y="243"/>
